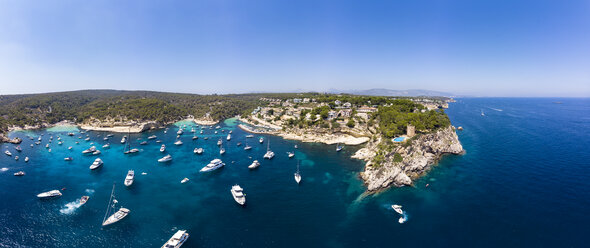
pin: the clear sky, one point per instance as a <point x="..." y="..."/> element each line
<point x="475" y="47"/>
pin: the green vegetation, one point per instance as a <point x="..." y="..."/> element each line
<point x="394" y="119"/>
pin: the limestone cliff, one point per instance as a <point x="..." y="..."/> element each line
<point x="417" y="158"/>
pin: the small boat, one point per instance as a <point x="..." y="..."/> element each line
<point x="105" y="138"/>
<point x="32" y="145"/>
<point x="60" y="143"/>
<point x="482" y="114"/>
<point x="201" y="132"/>
<point x="70" y="148"/>
<point x="152" y="137"/>
<point x="221" y="151"/>
<point x="402" y="219"/>
<point x="297" y="175"/>
<point x="8" y="153"/>
<point x="213" y="165"/>
<point x="162" y="148"/>
<point x="178" y="142"/>
<point x="18" y="149"/>
<point x="124" y="139"/>
<point x="70" y="134"/>
<point x="198" y="150"/>
<point x="247" y="147"/>
<point x="269" y="154"/>
<point x="47" y="146"/>
<point x="177" y="239"/>
<point x="158" y="141"/>
<point x="144" y="173"/>
<point x="195" y="137"/>
<point x="249" y="136"/>
<point x="107" y="145"/>
<point x="97" y="152"/>
<point x="217" y="127"/>
<point x="397" y="208"/>
<point x="338" y="147"/>
<point x="96" y="164"/>
<point x="68" y="159"/>
<point x="26" y="159"/>
<point x="295" y="146"/>
<point x="206" y="138"/>
<point x="16" y="158"/>
<point x="239" y="144"/>
<point x="134" y="150"/>
<point x="184" y="180"/>
<point x="254" y="165"/>
<point x="165" y="158"/>
<point x="179" y="132"/>
<point x="193" y="130"/>
<point x="238" y="193"/>
<point x="109" y="135"/>
<point x="143" y="143"/>
<point x="52" y="193"/>
<point x="129" y="178"/>
<point x="291" y="154"/>
<point x="228" y="137"/>
<point x="117" y="216"/>
<point x="20" y="173"/>
<point x="89" y="150"/>
<point x="219" y="142"/>
<point x="231" y="131"/>
<point x="84" y="199"/>
<point x="261" y="140"/>
<point x="215" y="132"/>
<point x="49" y="150"/>
<point x="87" y="139"/>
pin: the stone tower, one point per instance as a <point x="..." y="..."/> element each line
<point x="411" y="131"/>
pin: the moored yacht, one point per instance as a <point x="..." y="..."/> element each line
<point x="18" y="149"/>
<point x="198" y="150"/>
<point x="90" y="150"/>
<point x="254" y="165"/>
<point x="291" y="154"/>
<point x="152" y="137"/>
<point x="165" y="158"/>
<point x="179" y="131"/>
<point x="178" y="142"/>
<point x="221" y="151"/>
<point x="162" y="148"/>
<point x="249" y="136"/>
<point x="68" y="159"/>
<point x="52" y="193"/>
<point x="177" y="239"/>
<point x="7" y="152"/>
<point x="297" y="175"/>
<point x="238" y="193"/>
<point x="26" y="159"/>
<point x="124" y="139"/>
<point x="261" y="140"/>
<point x="184" y="180"/>
<point x="213" y="165"/>
<point x="219" y="142"/>
<point x="338" y="147"/>
<point x="97" y="152"/>
<point x="129" y="178"/>
<point x="96" y="164"/>
<point x="143" y="143"/>
<point x="195" y="137"/>
<point x="107" y="145"/>
<point x="134" y="150"/>
<point x="247" y="147"/>
<point x="228" y="137"/>
<point x="117" y="216"/>
<point x="19" y="174"/>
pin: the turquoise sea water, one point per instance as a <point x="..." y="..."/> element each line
<point x="517" y="185"/>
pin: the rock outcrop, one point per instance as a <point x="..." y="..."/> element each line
<point x="417" y="158"/>
<point x="4" y="139"/>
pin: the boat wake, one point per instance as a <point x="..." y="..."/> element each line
<point x="90" y="191"/>
<point x="71" y="207"/>
<point x="499" y="110"/>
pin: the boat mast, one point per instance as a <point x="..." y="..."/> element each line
<point x="109" y="205"/>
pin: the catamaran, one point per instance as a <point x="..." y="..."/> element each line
<point x="97" y="163"/>
<point x="213" y="165"/>
<point x="254" y="165"/>
<point x="117" y="216"/>
<point x="52" y="193"/>
<point x="238" y="193"/>
<point x="165" y="158"/>
<point x="198" y="150"/>
<point x="162" y="148"/>
<point x="269" y="154"/>
<point x="129" y="178"/>
<point x="297" y="174"/>
<point x="177" y="239"/>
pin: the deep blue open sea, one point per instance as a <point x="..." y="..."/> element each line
<point x="524" y="181"/>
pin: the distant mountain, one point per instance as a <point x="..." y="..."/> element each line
<point x="388" y="92"/>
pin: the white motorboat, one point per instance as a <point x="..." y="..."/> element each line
<point x="221" y="151"/>
<point x="178" y="142"/>
<point x="215" y="132"/>
<point x="177" y="239"/>
<point x="134" y="150"/>
<point x="68" y="159"/>
<point x="96" y="164"/>
<point x="46" y="145"/>
<point x="247" y="147"/>
<point x="179" y="132"/>
<point x="238" y="193"/>
<point x="228" y="137"/>
<point x="97" y="152"/>
<point x="165" y="158"/>
<point x="291" y="154"/>
<point x="26" y="159"/>
<point x="397" y="208"/>
<point x="52" y="193"/>
<point x="254" y="165"/>
<point x="152" y="137"/>
<point x="87" y="139"/>
<point x="105" y="138"/>
<point x="184" y="180"/>
<point x="297" y="175"/>
<point x="89" y="150"/>
<point x="213" y="165"/>
<point x="16" y="158"/>
<point x="84" y="199"/>
<point x="129" y="178"/>
<point x="231" y="131"/>
<point x="162" y="148"/>
<point x="195" y="137"/>
<point x="124" y="139"/>
<point x="107" y="145"/>
<point x="338" y="147"/>
<point x="193" y="130"/>
<point x="402" y="219"/>
<point x="60" y="143"/>
<point x="295" y="146"/>
<point x="117" y="216"/>
<point x="198" y="150"/>
<point x="70" y="148"/>
<point x="219" y="142"/>
<point x="217" y="127"/>
<point x="18" y="149"/>
<point x="19" y="174"/>
<point x="143" y="143"/>
<point x="249" y="136"/>
<point x="110" y="135"/>
<point x="70" y="134"/>
<point x="261" y="140"/>
<point x="158" y="141"/>
<point x="269" y="154"/>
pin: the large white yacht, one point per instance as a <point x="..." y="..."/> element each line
<point x="238" y="193"/>
<point x="129" y="178"/>
<point x="177" y="239"/>
<point x="165" y="159"/>
<point x="90" y="150"/>
<point x="97" y="163"/>
<point x="213" y="165"/>
<point x="52" y="193"/>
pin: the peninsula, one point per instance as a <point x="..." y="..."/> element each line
<point x="402" y="137"/>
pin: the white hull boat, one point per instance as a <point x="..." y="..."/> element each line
<point x="129" y="178"/>
<point x="48" y="194"/>
<point x="254" y="165"/>
<point x="238" y="193"/>
<point x="213" y="165"/>
<point x="165" y="159"/>
<point x="97" y="163"/>
<point x="177" y="239"/>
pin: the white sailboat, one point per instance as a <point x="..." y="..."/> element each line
<point x="116" y="216"/>
<point x="129" y="178"/>
<point x="128" y="149"/>
<point x="269" y="154"/>
<point x="177" y="239"/>
<point x="297" y="175"/>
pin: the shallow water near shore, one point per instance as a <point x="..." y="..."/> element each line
<point x="522" y="182"/>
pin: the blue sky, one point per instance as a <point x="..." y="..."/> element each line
<point x="481" y="48"/>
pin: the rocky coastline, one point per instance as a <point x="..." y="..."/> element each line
<point x="417" y="158"/>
